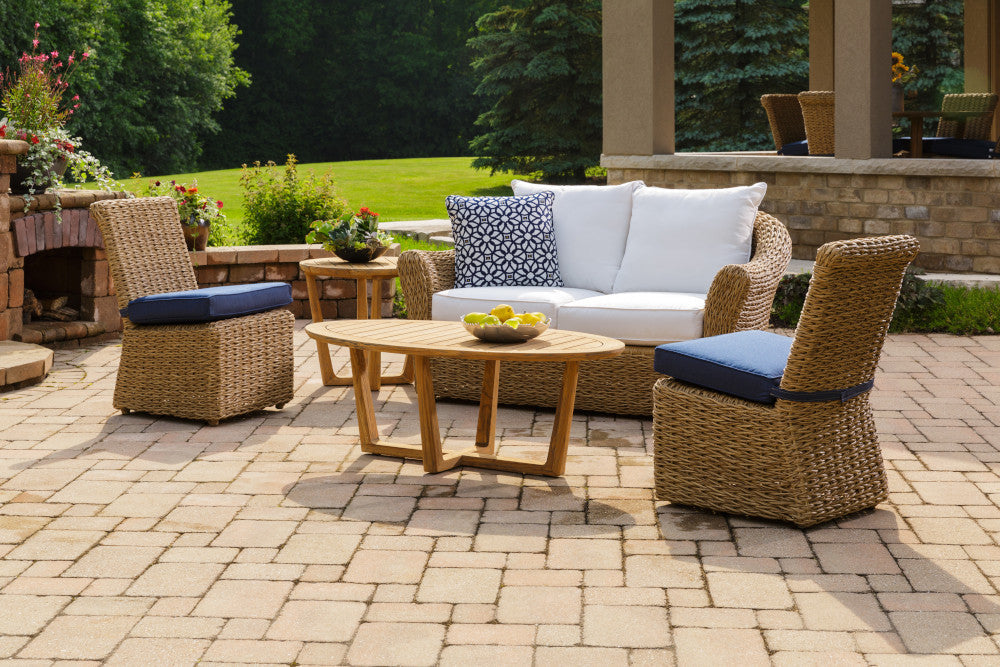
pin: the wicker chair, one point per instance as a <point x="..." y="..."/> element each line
<point x="817" y="116"/>
<point x="784" y="114"/>
<point x="740" y="298"/>
<point x="803" y="462"/>
<point x="979" y="127"/>
<point x="207" y="371"/>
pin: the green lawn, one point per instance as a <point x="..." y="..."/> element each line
<point x="411" y="189"/>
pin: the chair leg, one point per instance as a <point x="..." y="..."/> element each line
<point x="125" y="411"/>
<point x="280" y="405"/>
<point x="212" y="422"/>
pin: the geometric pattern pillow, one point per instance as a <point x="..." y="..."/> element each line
<point x="504" y="241"/>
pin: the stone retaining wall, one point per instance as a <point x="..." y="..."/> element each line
<point x="951" y="206"/>
<point x="250" y="264"/>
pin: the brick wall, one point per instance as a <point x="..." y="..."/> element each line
<point x="951" y="206"/>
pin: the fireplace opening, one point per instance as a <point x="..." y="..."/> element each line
<point x="59" y="296"/>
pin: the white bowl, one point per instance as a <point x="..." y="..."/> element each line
<point x="501" y="333"/>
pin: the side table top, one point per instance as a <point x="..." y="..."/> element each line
<point x="382" y="267"/>
<point x="450" y="339"/>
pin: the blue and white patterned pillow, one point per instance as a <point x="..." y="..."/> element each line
<point x="504" y="241"/>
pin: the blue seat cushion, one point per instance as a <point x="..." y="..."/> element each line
<point x="208" y="304"/>
<point x="973" y="149"/>
<point x="795" y="148"/>
<point x="747" y="364"/>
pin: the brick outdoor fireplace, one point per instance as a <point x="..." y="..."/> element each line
<point x="52" y="256"/>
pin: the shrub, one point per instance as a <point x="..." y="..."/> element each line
<point x="921" y="306"/>
<point x="278" y="208"/>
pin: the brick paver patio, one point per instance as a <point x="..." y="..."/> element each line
<point x="271" y="539"/>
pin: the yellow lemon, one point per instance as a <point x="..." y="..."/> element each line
<point x="540" y="317"/>
<point x="503" y="312"/>
<point x="475" y="318"/>
<point x="513" y="322"/>
<point x="529" y="319"/>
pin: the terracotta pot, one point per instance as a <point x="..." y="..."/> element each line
<point x="17" y="179"/>
<point x="360" y="256"/>
<point x="196" y="236"/>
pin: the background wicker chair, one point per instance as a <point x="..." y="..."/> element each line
<point x="979" y="127"/>
<point x="207" y="371"/>
<point x="740" y="298"/>
<point x="784" y="114"/>
<point x="817" y="116"/>
<point x="803" y="462"/>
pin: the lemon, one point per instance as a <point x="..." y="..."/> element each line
<point x="490" y="319"/>
<point x="540" y="317"/>
<point x="513" y="322"/>
<point x="529" y="319"/>
<point x="475" y="318"/>
<point x="503" y="312"/>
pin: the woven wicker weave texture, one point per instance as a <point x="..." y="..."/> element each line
<point x="740" y="298"/>
<point x="800" y="462"/>
<point x="979" y="127"/>
<point x="207" y="371"/>
<point x="817" y="116"/>
<point x="784" y="114"/>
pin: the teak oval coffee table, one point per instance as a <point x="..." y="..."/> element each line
<point x="377" y="270"/>
<point x="424" y="339"/>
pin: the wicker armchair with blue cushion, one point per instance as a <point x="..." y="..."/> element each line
<point x="759" y="424"/>
<point x="204" y="354"/>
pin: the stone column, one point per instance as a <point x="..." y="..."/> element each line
<point x="822" y="63"/>
<point x="863" y="44"/>
<point x="982" y="50"/>
<point x="638" y="54"/>
<point x="11" y="267"/>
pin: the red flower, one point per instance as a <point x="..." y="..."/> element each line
<point x="3" y="131"/>
<point x="34" y="139"/>
<point x="192" y="190"/>
<point x="180" y="188"/>
<point x="219" y="204"/>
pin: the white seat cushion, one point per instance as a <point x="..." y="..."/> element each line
<point x="637" y="318"/>
<point x="679" y="239"/>
<point x="452" y="304"/>
<point x="591" y="225"/>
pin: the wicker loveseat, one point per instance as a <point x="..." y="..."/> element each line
<point x="739" y="298"/>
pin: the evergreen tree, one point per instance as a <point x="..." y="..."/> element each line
<point x="728" y="54"/>
<point x="540" y="64"/>
<point x="929" y="35"/>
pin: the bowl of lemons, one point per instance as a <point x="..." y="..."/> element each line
<point x="503" y="325"/>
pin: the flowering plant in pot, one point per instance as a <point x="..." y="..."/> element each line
<point x="354" y="237"/>
<point x="197" y="212"/>
<point x="31" y="100"/>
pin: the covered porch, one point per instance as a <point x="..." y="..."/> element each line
<point x="951" y="205"/>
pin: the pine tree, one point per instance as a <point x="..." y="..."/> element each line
<point x="541" y="64"/>
<point x="728" y="54"/>
<point x="930" y="35"/>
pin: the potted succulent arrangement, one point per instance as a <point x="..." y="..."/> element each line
<point x="197" y="212"/>
<point x="354" y="237"/>
<point x="33" y="111"/>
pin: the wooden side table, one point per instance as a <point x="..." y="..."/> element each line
<point x="375" y="271"/>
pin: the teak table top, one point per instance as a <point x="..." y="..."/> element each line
<point x="450" y="339"/>
<point x="334" y="267"/>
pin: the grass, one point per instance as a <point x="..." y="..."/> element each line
<point x="410" y="189"/>
<point x="965" y="311"/>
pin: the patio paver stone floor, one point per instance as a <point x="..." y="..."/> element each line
<point x="272" y="539"/>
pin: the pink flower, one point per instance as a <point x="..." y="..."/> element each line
<point x="37" y="25"/>
<point x="75" y="97"/>
<point x="84" y="55"/>
<point x="34" y="43"/>
<point x="55" y="54"/>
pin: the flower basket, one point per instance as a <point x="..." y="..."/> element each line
<point x="23" y="172"/>
<point x="354" y="237"/>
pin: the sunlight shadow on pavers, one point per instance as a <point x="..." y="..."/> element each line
<point x="823" y="572"/>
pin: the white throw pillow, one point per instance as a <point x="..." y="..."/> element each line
<point x="679" y="239"/>
<point x="591" y="225"/>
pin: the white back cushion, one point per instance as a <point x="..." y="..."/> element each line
<point x="591" y="225"/>
<point x="679" y="239"/>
